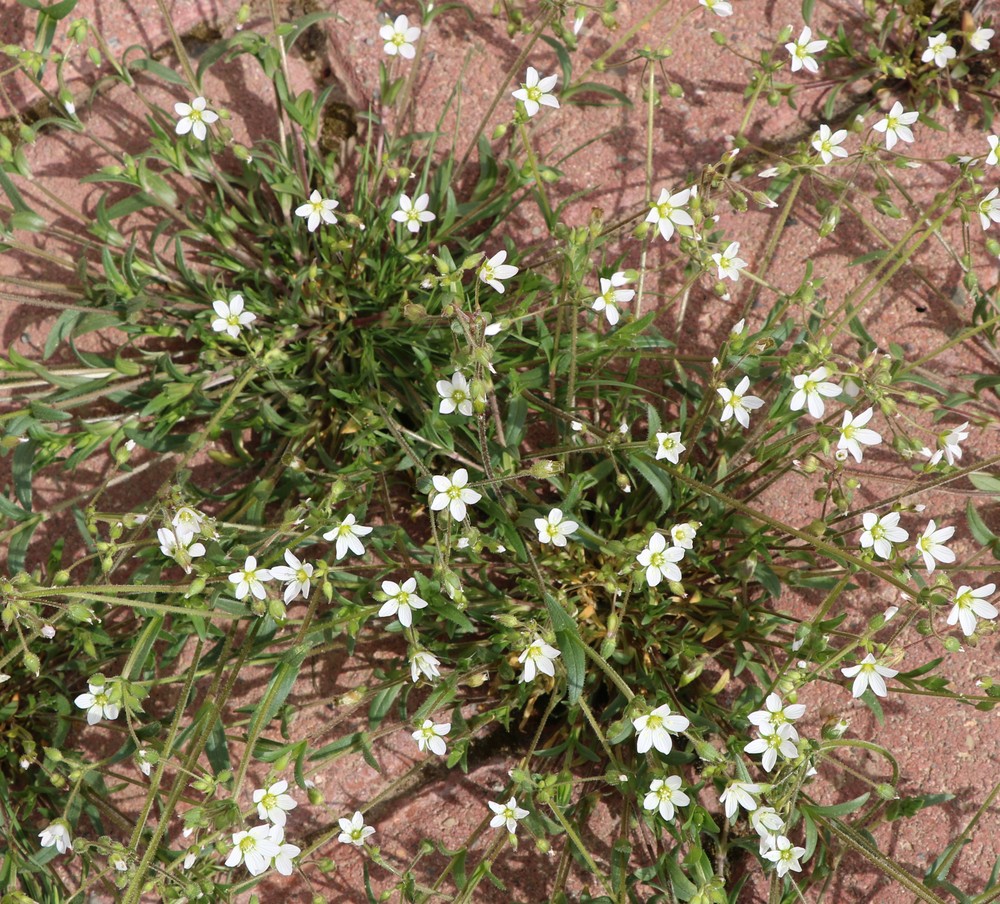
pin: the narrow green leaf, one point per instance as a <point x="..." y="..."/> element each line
<point x="570" y="645"/>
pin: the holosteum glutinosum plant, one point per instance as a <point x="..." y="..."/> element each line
<point x="376" y="416"/>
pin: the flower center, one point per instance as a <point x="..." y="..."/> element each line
<point x="665" y="792"/>
<point x="195" y="116"/>
<point x="534" y="94"/>
<point x="737" y="401"/>
<point x="454" y="492"/>
<point x="269" y="801"/>
<point x="233" y="320"/>
<point x="248" y="844"/>
<point x="487" y="272"/>
<point x="302" y="575"/>
<point x="399" y="39"/>
<point x="656" y="560"/>
<point x="877" y="532"/>
<point x="403" y="598"/>
<point x="654" y="722"/>
<point x="891" y="123"/>
<point x="100" y="699"/>
<point x="664" y="209"/>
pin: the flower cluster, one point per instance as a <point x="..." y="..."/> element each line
<point x="262" y="847"/>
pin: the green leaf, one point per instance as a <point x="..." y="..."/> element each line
<point x="982" y="534"/>
<point x="24" y="457"/>
<point x="657" y="478"/>
<point x="217" y="749"/>
<point x="570" y="645"/>
<point x="281" y="683"/>
<point x="988" y="483"/>
<point x="844" y="809"/>
<point x="27" y="220"/>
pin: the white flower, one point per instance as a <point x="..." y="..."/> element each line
<point x="737" y="403"/>
<point x="980" y="39"/>
<point x="803" y="49"/>
<point x="56" y="833"/>
<point x="348" y="534"/>
<point x="453" y="494"/>
<point x="401" y="600"/>
<point x="930" y="545"/>
<point x="768" y="825"/>
<point x="255" y="848"/>
<point x="538" y="656"/>
<point x="431" y="736"/>
<point x="508" y="813"/>
<point x="993" y="157"/>
<point x="230" y="316"/>
<point x="775" y="716"/>
<point x="810" y="390"/>
<point x="881" y="533"/>
<point x="854" y="434"/>
<point x="273" y="803"/>
<point x="654" y="729"/>
<point x="400" y="38"/>
<point x="424" y="663"/>
<point x="896" y="125"/>
<point x="142" y="757"/>
<point x="682" y="535"/>
<point x="180" y="551"/>
<point x="494" y="270"/>
<point x="353" y="830"/>
<point x="669" y="211"/>
<point x="739" y="794"/>
<point x="939" y="50"/>
<point x="286" y="852"/>
<point x="317" y="209"/>
<point x="669" y="446"/>
<point x="187" y="522"/>
<point x="664" y="795"/>
<point x="868" y="673"/>
<point x="948" y="445"/>
<point x="250" y="579"/>
<point x="535" y="91"/>
<point x="784" y="856"/>
<point x="296" y="574"/>
<point x="612" y="295"/>
<point x="455" y="393"/>
<point x="738" y="327"/>
<point x="970" y="603"/>
<point x="413" y="213"/>
<point x="719" y="7"/>
<point x="770" y="745"/>
<point x="728" y="263"/>
<point x="554" y="528"/>
<point x="828" y="143"/>
<point x="193" y="118"/>
<point x="989" y="209"/>
<point x="659" y="561"/>
<point x="98" y="704"/>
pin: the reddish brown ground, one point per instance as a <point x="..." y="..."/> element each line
<point x="940" y="747"/>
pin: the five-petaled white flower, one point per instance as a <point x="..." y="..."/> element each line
<point x="430" y="736"/>
<point x="770" y="745"/>
<point x="494" y="270"/>
<point x="737" y="403"/>
<point x="56" y="833"/>
<point x="810" y="390"/>
<point x="854" y="434"/>
<point x="424" y="663"/>
<point x="317" y="210"/>
<point x="971" y="603"/>
<point x="777" y="716"/>
<point x="554" y="529"/>
<point x="739" y="794"/>
<point x="989" y="209"/>
<point x="669" y="211"/>
<point x="931" y="546"/>
<point x="286" y="852"/>
<point x="538" y="656"/>
<point x="506" y="814"/>
<point x="535" y="91"/>
<point x="993" y="157"/>
<point x="881" y="533"/>
<point x="296" y="574"/>
<point x="653" y="729"/>
<point x="938" y="50"/>
<point x="664" y="795"/>
<point x="97" y="702"/>
<point x="230" y="316"/>
<point x="980" y="39"/>
<point x="612" y="295"/>
<point x="659" y="561"/>
<point x="413" y="213"/>
<point x="455" y="394"/>
<point x="194" y="117"/>
<point x="802" y="50"/>
<point x="669" y="446"/>
<point x="948" y="445"/>
<point x="250" y="579"/>
<point x="869" y="674"/>
<point x="769" y="827"/>
<point x="348" y="534"/>
<point x="181" y="551"/>
<point x="255" y="848"/>
<point x="400" y="37"/>
<point x="402" y="598"/>
<point x="187" y="522"/>
<point x="682" y="535"/>
<point x="729" y="263"/>
<point x="454" y="494"/>
<point x="784" y="856"/>
<point x="828" y="142"/>
<point x="719" y="7"/>
<point x="896" y="125"/>
<point x="353" y="830"/>
<point x="273" y="803"/>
